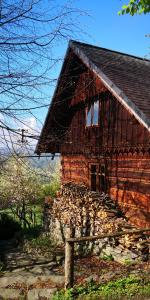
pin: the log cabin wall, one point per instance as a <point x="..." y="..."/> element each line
<point x="117" y="149"/>
<point x="127" y="179"/>
<point x="75" y="169"/>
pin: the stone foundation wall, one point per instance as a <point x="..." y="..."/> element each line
<point x="92" y="213"/>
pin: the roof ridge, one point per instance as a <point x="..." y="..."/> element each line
<point x="110" y="50"/>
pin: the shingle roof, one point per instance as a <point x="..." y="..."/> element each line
<point x="130" y="74"/>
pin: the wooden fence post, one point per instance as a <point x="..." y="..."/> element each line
<point x="69" y="258"/>
<point x="69" y="248"/>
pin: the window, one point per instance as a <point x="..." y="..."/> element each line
<point x="102" y="178"/>
<point x="95" y="113"/>
<point x="89" y="117"/>
<point x="92" y="114"/>
<point x="98" y="177"/>
<point x="93" y="177"/>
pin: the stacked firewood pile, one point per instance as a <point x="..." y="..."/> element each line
<point x="85" y="208"/>
<point x="92" y="213"/>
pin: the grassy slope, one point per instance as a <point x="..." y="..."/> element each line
<point x="126" y="288"/>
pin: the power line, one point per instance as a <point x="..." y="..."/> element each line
<point x="39" y="156"/>
<point x="23" y="109"/>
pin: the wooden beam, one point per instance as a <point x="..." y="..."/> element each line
<point x="97" y="237"/>
<point x="69" y="258"/>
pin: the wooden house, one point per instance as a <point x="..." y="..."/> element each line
<point x="99" y="121"/>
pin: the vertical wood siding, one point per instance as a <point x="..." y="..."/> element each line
<point x="117" y="128"/>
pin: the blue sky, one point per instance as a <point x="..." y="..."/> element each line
<point x="105" y="28"/>
<point x="108" y="30"/>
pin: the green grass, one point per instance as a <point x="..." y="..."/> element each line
<point x="127" y="288"/>
<point x="37" y="213"/>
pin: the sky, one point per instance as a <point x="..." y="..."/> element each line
<point x="105" y="28"/>
<point x="109" y="30"/>
<point x="101" y="25"/>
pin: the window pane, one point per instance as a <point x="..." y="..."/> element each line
<point x="102" y="183"/>
<point x="88" y="117"/>
<point x="102" y="169"/>
<point x="93" y="168"/>
<point x="95" y="112"/>
<point x="93" y="182"/>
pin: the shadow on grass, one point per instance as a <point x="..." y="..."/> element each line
<point x="12" y="238"/>
<point x="32" y="232"/>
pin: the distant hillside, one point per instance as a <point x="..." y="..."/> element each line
<point x="43" y="162"/>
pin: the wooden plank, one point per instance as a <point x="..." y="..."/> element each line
<point x="116" y="234"/>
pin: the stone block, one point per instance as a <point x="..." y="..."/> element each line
<point x="36" y="294"/>
<point x="6" y="293"/>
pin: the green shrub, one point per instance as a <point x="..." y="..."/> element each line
<point x="64" y="295"/>
<point x="50" y="189"/>
<point x="107" y="257"/>
<point x="125" y="288"/>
